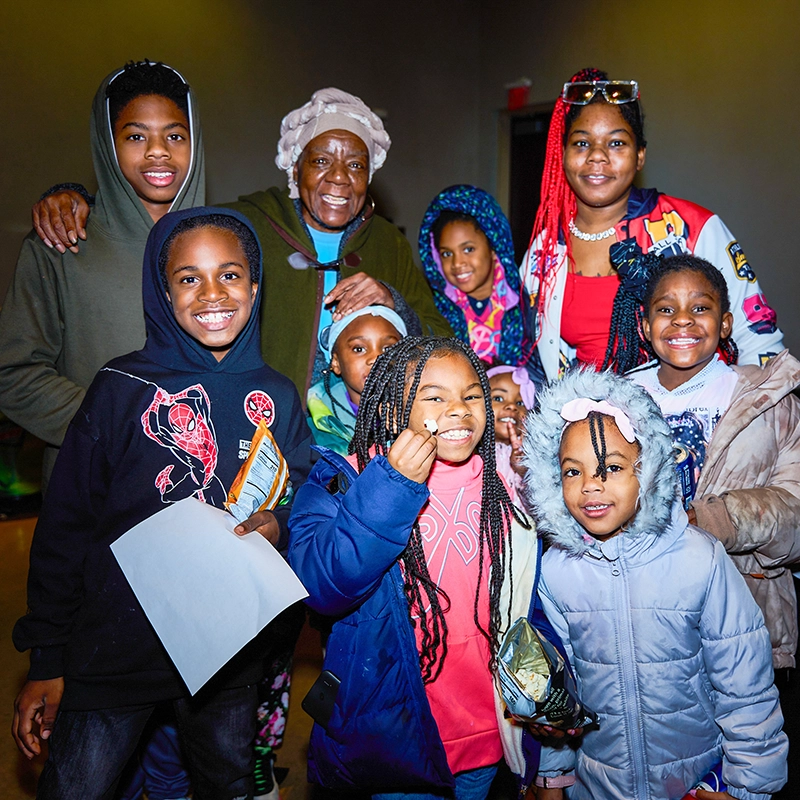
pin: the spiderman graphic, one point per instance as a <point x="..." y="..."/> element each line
<point x="182" y="423"/>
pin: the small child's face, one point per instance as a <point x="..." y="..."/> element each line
<point x="507" y="406"/>
<point x="154" y="150"/>
<point x="467" y="259"/>
<point x="602" y="508"/>
<point x="356" y="349"/>
<point x="450" y="393"/>
<point x="684" y="324"/>
<point x="210" y="290"/>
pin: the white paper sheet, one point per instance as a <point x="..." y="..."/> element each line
<point x="206" y="591"/>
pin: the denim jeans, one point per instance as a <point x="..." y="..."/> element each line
<point x="89" y="749"/>
<point x="158" y="767"/>
<point x="471" y="785"/>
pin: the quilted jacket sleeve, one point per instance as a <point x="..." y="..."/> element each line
<point x="343" y="543"/>
<point x="738" y="659"/>
<point x="764" y="520"/>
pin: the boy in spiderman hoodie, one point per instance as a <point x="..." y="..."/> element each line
<point x="170" y="421"/>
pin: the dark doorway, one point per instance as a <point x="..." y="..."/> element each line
<point x="527" y="151"/>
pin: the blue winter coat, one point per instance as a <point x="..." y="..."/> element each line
<point x="667" y="643"/>
<point x="347" y="533"/>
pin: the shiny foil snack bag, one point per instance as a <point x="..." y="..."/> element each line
<point x="262" y="480"/>
<point x="535" y="683"/>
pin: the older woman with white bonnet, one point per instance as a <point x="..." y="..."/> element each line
<point x="326" y="252"/>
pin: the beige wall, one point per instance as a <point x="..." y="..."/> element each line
<point x="250" y="63"/>
<point x="722" y="124"/>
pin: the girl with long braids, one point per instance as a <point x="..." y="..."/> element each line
<point x="583" y="273"/>
<point x="407" y="544"/>
<point x="736" y="430"/>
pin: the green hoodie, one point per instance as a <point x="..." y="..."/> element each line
<point x="66" y="315"/>
<point x="292" y="297"/>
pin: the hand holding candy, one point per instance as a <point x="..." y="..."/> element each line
<point x="413" y="454"/>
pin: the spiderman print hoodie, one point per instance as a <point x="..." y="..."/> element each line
<point x="158" y="425"/>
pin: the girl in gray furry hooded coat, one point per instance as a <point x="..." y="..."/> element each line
<point x="668" y="646"/>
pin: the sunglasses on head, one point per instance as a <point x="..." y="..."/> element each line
<point x="581" y="93"/>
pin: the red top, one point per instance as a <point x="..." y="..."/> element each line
<point x="586" y="315"/>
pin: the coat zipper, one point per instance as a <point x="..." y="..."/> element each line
<point x="630" y="680"/>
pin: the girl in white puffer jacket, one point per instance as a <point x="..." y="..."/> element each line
<point x="668" y="646"/>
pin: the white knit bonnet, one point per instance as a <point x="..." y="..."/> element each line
<point x="328" y="110"/>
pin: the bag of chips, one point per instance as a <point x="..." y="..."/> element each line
<point x="535" y="683"/>
<point x="262" y="480"/>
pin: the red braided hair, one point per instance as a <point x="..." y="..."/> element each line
<point x="557" y="205"/>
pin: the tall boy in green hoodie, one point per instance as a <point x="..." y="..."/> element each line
<point x="67" y="314"/>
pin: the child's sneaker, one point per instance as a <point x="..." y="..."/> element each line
<point x="266" y="787"/>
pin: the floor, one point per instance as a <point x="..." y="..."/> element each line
<point x="17" y="775"/>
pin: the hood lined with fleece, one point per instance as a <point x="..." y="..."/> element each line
<point x="658" y="483"/>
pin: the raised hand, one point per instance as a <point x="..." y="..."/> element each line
<point x="413" y="454"/>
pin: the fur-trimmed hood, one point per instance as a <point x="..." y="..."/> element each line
<point x="542" y="440"/>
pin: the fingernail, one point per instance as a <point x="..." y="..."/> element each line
<point x="72" y="237"/>
<point x="48" y="243"/>
<point x="60" y="247"/>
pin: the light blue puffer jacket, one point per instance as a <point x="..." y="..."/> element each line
<point x="667" y="643"/>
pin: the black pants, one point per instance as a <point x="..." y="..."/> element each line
<point x="89" y="749"/>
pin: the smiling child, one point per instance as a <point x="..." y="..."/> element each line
<point x="513" y="396"/>
<point x="67" y="314"/>
<point x="157" y="426"/>
<point x="667" y="644"/>
<point x="467" y="254"/>
<point x="736" y="429"/>
<point x="406" y="545"/>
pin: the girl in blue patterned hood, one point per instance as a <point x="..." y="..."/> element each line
<point x="468" y="257"/>
<point x="667" y="643"/>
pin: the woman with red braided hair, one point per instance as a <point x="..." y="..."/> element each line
<point x="596" y="235"/>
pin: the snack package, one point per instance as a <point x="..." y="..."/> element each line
<point x="535" y="683"/>
<point x="262" y="480"/>
<point x="711" y="783"/>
